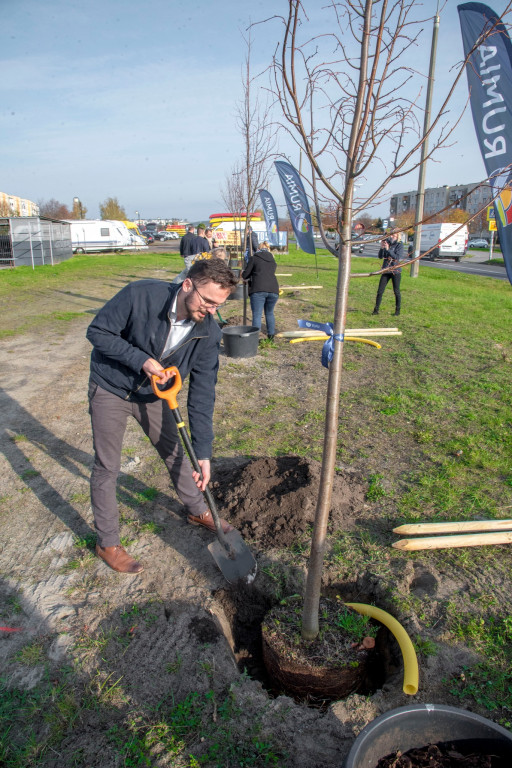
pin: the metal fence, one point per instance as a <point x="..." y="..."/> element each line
<point x="31" y="241"/>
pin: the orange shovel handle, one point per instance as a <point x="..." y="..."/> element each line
<point x="168" y="394"/>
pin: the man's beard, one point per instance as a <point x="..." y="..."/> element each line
<point x="193" y="314"/>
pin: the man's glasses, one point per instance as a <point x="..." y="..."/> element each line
<point x="206" y="302"/>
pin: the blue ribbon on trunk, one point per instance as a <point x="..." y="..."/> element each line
<point x="328" y="348"/>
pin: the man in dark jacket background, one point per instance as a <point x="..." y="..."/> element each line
<point x="148" y="326"/>
<point x="187" y="241"/>
<point x="392" y="251"/>
<point x="201" y="244"/>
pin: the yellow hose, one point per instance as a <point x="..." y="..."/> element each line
<point x="324" y="338"/>
<point x="403" y="639"/>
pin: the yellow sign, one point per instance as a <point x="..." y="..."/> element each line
<point x="490" y="214"/>
<point x="492" y="225"/>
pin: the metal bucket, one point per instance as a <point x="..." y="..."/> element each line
<point x="240" y="340"/>
<point x="419" y="725"/>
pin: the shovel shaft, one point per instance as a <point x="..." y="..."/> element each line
<point x="195" y="463"/>
<point x="170" y="395"/>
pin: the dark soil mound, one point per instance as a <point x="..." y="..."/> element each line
<point x="273" y="500"/>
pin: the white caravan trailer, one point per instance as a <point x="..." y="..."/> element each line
<point x="96" y="235"/>
<point x="454" y="246"/>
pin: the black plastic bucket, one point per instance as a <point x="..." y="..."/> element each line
<point x="240" y="340"/>
<point x="418" y="725"/>
<point x="238" y="293"/>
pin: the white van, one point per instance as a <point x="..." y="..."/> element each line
<point x="454" y="246"/>
<point x="97" y="235"/>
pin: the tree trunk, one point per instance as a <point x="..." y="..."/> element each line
<point x="314" y="578"/>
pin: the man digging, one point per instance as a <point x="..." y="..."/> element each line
<point x="148" y="326"/>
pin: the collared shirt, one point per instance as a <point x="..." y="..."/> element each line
<point x="179" y="329"/>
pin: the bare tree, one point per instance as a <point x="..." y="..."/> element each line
<point x="53" y="209"/>
<point x="232" y="196"/>
<point x="349" y="97"/>
<point x="258" y="137"/>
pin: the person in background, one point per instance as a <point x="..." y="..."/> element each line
<point x="201" y="244"/>
<point x="209" y="236"/>
<point x="187" y="240"/>
<point x="392" y="251"/>
<point x="216" y="253"/>
<point x="260" y="273"/>
<point x="147" y="327"/>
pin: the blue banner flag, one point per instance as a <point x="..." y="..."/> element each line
<point x="489" y="71"/>
<point x="271" y="219"/>
<point x="298" y="205"/>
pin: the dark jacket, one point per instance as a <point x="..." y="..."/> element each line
<point x="392" y="255"/>
<point x="201" y="245"/>
<point x="134" y="326"/>
<point x="260" y="272"/>
<point x="186" y="244"/>
<point x="254" y="241"/>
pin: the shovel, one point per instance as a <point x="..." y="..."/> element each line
<point x="230" y="552"/>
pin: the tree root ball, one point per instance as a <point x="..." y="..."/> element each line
<point x="334" y="665"/>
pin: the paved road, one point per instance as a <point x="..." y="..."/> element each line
<point x="473" y="263"/>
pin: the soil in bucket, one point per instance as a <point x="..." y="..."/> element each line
<point x="240" y="340"/>
<point x="444" y="755"/>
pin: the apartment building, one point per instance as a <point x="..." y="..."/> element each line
<point x="468" y="197"/>
<point x="11" y="205"/>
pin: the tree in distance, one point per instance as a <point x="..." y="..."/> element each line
<point x="53" y="209"/>
<point x="79" y="210"/>
<point x="111" y="209"/>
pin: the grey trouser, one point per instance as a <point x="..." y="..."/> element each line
<point x="109" y="415"/>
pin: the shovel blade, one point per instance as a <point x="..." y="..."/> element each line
<point x="236" y="564"/>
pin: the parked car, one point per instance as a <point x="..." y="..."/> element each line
<point x="478" y="243"/>
<point x="357" y="244"/>
<point x="149" y="237"/>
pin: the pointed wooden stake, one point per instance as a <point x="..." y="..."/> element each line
<point x="446" y="542"/>
<point x="458" y="526"/>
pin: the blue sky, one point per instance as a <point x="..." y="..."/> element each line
<point x="138" y="100"/>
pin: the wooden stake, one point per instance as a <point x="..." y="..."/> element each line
<point x="455" y="527"/>
<point x="352" y="331"/>
<point x="446" y="542"/>
<point x="299" y="287"/>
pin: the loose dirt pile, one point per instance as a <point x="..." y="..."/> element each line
<point x="272" y="500"/>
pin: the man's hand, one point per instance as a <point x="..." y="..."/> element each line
<point x="153" y="368"/>
<point x="206" y="472"/>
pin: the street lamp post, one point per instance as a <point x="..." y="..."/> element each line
<point x="137" y="216"/>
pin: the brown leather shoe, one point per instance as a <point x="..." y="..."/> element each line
<point x="119" y="559"/>
<point x="206" y="519"/>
